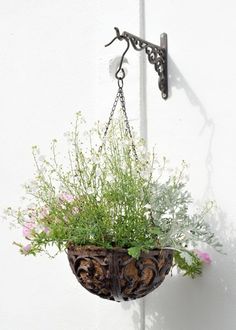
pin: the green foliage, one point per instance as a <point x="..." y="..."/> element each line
<point x="135" y="251"/>
<point x="176" y="227"/>
<point x="189" y="263"/>
<point x="105" y="197"/>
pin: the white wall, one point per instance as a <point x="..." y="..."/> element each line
<point x="52" y="64"/>
<point x="197" y="123"/>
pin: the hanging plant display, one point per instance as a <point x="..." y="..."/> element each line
<point x="123" y="220"/>
<point x="122" y="223"/>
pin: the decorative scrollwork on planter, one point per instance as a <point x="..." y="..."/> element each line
<point x="115" y="275"/>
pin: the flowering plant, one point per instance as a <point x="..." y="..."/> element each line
<point x="109" y="197"/>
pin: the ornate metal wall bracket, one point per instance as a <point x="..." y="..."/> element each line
<point x="157" y="55"/>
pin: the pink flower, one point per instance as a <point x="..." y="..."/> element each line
<point x="43" y="212"/>
<point x="75" y="210"/>
<point x="203" y="256"/>
<point x="27" y="229"/>
<point x="64" y="197"/>
<point x="26" y="249"/>
<point x="46" y="230"/>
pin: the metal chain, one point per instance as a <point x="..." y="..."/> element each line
<point x="106" y="129"/>
<point x="123" y="107"/>
<point x="109" y="120"/>
<point x="120" y="96"/>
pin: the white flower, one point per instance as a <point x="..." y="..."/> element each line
<point x="41" y="158"/>
<point x="167" y="214"/>
<point x="89" y="191"/>
<point x="38" y="229"/>
<point x="32" y="186"/>
<point x="147" y="214"/>
<point x="98" y="172"/>
<point x="95" y="159"/>
<point x="146" y="173"/>
<point x="32" y="206"/>
<point x="110" y="178"/>
<point x="147" y="206"/>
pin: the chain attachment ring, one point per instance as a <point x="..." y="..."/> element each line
<point x="120" y="82"/>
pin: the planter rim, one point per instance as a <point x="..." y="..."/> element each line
<point x="80" y="248"/>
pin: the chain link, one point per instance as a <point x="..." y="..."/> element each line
<point x="109" y="120"/>
<point x="123" y="107"/>
<point x="112" y="113"/>
<point x="120" y="96"/>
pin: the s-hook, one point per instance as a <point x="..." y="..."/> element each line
<point x="157" y="55"/>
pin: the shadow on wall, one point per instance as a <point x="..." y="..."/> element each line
<point x="208" y="302"/>
<point x="178" y="81"/>
<point x="205" y="303"/>
<point x="136" y="315"/>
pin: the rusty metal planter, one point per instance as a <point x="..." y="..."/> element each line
<point x="113" y="274"/>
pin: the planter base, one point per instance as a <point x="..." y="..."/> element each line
<point x="115" y="275"/>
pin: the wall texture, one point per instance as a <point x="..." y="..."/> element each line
<point x="52" y="64"/>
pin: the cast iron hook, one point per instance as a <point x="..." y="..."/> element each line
<point x="120" y="73"/>
<point x="157" y="55"/>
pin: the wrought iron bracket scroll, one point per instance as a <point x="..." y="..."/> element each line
<point x="157" y="55"/>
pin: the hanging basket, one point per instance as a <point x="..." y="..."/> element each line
<point x="113" y="274"/>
